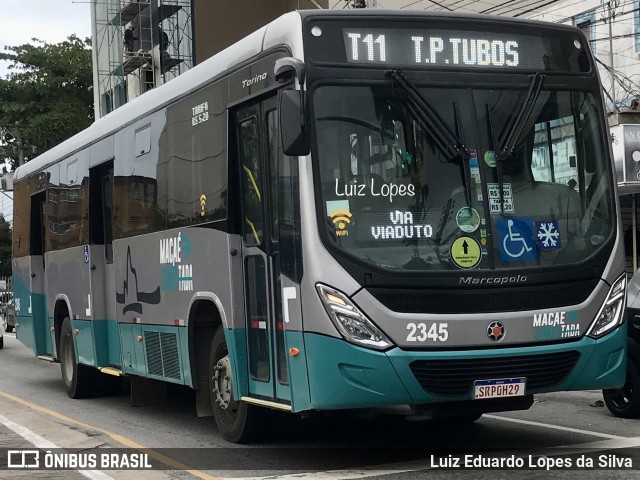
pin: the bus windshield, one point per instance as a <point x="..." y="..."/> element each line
<point x="394" y="196"/>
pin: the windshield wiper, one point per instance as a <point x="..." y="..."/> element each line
<point x="506" y="145"/>
<point x="445" y="140"/>
<point x="509" y="141"/>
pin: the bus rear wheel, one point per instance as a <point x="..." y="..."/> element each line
<point x="5" y="324"/>
<point x="237" y="421"/>
<point x="78" y="379"/>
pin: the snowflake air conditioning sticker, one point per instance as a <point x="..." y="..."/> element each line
<point x="548" y="235"/>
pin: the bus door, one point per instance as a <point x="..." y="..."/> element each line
<point x="37" y="308"/>
<point x="257" y="169"/>
<point x="102" y="286"/>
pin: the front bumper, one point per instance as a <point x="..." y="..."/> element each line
<point x="342" y="375"/>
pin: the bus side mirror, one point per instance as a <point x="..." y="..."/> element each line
<point x="294" y="131"/>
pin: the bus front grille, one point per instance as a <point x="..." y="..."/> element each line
<point x="456" y="377"/>
<point x="484" y="300"/>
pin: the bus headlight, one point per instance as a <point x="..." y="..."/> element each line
<point x="354" y="325"/>
<point x="611" y="313"/>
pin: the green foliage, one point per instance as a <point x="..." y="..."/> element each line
<point x="47" y="98"/>
<point x="5" y="248"/>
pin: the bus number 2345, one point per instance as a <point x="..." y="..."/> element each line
<point x="421" y="332"/>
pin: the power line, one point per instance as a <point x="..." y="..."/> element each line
<point x="551" y="2"/>
<point x="513" y="6"/>
<point x="629" y="2"/>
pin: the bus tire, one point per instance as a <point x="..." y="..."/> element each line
<point x="625" y="402"/>
<point x="78" y="379"/>
<point x="237" y="422"/>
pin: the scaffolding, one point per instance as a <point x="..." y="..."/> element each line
<point x="139" y="45"/>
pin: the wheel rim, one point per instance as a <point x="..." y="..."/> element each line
<point x="68" y="361"/>
<point x="223" y="386"/>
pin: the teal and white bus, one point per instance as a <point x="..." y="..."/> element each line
<point x="343" y="210"/>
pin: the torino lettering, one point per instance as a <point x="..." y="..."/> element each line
<point x="254" y="80"/>
<point x="403" y="227"/>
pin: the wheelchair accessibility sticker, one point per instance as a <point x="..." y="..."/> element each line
<point x="517" y="242"/>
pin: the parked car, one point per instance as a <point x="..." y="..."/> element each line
<point x="8" y="317"/>
<point x="625" y="402"/>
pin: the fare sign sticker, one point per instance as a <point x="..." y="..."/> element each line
<point x="494" y="198"/>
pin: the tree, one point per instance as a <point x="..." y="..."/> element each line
<point x="47" y="98"/>
<point x="5" y="247"/>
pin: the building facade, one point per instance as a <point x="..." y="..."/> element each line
<point x="141" y="44"/>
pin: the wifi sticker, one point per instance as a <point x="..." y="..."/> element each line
<point x="203" y="205"/>
<point x="339" y="214"/>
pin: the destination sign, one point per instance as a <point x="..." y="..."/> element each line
<point x="440" y="44"/>
<point x="406" y="48"/>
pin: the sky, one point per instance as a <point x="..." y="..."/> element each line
<point x="49" y="20"/>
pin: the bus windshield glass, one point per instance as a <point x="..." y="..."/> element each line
<point x="395" y="195"/>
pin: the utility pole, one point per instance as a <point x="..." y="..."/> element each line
<point x="19" y="145"/>
<point x="611" y="7"/>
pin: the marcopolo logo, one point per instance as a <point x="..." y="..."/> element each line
<point x="492" y="280"/>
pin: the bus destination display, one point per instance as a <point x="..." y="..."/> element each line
<point x="459" y="49"/>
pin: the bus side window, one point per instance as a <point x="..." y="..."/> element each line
<point x="249" y="143"/>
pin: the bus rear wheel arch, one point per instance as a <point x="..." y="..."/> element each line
<point x="78" y="379"/>
<point x="237" y="421"/>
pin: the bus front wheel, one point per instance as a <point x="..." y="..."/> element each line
<point x="237" y="421"/>
<point x="625" y="402"/>
<point x="78" y="379"/>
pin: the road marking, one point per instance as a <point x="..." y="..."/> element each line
<point x="333" y="474"/>
<point x="118" y="438"/>
<point x="616" y="441"/>
<point x="554" y="427"/>
<point x="41" y="443"/>
<point x="425" y="464"/>
<point x="612" y="442"/>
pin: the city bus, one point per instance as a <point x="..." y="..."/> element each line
<point x="343" y="210"/>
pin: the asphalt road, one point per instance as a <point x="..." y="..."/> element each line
<point x="559" y="427"/>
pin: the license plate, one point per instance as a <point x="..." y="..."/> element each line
<point x="499" y="388"/>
